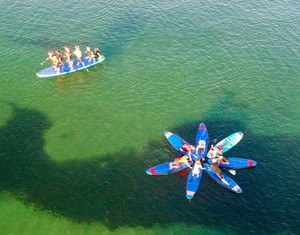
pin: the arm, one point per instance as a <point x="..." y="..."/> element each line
<point x="187" y="163"/>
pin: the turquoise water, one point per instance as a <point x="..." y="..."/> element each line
<point x="74" y="149"/>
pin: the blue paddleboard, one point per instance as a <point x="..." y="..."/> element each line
<point x="175" y="166"/>
<point x="230" y="184"/>
<point x="202" y="138"/>
<point x="193" y="181"/>
<point x="237" y="163"/>
<point x="195" y="174"/>
<point x="178" y="142"/>
<point x="50" y="71"/>
<point x="175" y="141"/>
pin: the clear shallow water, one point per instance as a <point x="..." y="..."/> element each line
<point x="74" y="149"/>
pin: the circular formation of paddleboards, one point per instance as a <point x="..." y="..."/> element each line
<point x="214" y="162"/>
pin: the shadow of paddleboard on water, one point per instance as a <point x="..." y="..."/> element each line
<point x="115" y="189"/>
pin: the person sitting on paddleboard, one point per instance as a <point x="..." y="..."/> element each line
<point x="90" y="53"/>
<point x="191" y="150"/>
<point x="179" y="159"/>
<point x="215" y="153"/>
<point x="78" y="54"/>
<point x="212" y="153"/>
<point x="68" y="55"/>
<point x="201" y="148"/>
<point x="96" y="53"/>
<point x="60" y="59"/>
<point x="215" y="167"/>
<point x="54" y="61"/>
<point x="222" y="159"/>
<point x="197" y="167"/>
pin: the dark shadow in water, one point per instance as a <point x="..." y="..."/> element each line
<point x="37" y="42"/>
<point x="121" y="194"/>
<point x="110" y="42"/>
<point x="121" y="32"/>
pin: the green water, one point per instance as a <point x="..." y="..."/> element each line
<point x="74" y="149"/>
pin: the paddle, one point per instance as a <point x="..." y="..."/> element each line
<point x="78" y="64"/>
<point x="233" y="172"/>
<point x="44" y="61"/>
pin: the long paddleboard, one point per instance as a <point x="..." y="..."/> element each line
<point x="202" y="139"/>
<point x="50" y="71"/>
<point x="193" y="181"/>
<point x="178" y="143"/>
<point x="228" y="184"/>
<point x="237" y="163"/>
<point x="175" y="166"/>
<point x="230" y="141"/>
<point x="195" y="175"/>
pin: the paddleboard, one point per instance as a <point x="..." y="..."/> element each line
<point x="175" y="166"/>
<point x="230" y="141"/>
<point x="50" y="71"/>
<point x="237" y="163"/>
<point x="193" y="181"/>
<point x="228" y="184"/>
<point x="178" y="143"/>
<point x="202" y="138"/>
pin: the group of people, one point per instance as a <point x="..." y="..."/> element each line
<point x="194" y="153"/>
<point x="57" y="58"/>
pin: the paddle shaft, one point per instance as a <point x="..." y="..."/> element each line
<point x="44" y="61"/>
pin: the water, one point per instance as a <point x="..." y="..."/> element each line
<point x="74" y="149"/>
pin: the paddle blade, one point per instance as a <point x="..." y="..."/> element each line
<point x="233" y="172"/>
